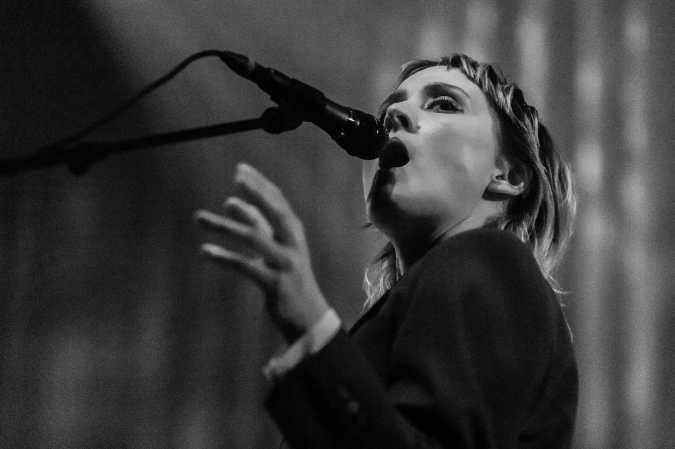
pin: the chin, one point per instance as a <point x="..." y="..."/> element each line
<point x="391" y="214"/>
<point x="383" y="213"/>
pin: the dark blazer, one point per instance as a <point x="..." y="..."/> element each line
<point x="470" y="349"/>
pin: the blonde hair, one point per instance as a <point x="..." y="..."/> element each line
<point x="543" y="215"/>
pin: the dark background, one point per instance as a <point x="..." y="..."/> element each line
<point x="115" y="333"/>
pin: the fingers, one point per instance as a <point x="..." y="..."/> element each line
<point x="254" y="238"/>
<point x="254" y="268"/>
<point x="270" y="201"/>
<point x="247" y="213"/>
<point x="262" y="226"/>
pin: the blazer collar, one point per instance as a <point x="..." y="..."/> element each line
<point x="370" y="311"/>
<point x="401" y="284"/>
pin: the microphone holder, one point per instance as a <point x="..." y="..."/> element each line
<point x="81" y="155"/>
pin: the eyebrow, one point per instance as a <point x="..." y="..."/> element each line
<point x="431" y="89"/>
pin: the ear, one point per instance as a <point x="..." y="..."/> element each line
<point x="507" y="180"/>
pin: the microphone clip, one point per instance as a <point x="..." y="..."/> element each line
<point x="279" y="119"/>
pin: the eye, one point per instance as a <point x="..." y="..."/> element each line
<point x="442" y="103"/>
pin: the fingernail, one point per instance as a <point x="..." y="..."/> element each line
<point x="243" y="167"/>
<point x="208" y="249"/>
<point x="240" y="172"/>
<point x="204" y="216"/>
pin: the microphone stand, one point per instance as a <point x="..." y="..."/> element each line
<point x="80" y="156"/>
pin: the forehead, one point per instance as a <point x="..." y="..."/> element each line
<point x="439" y="73"/>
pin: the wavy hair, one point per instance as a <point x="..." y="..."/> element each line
<point x="543" y="215"/>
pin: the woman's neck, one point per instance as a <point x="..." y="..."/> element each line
<point x="412" y="244"/>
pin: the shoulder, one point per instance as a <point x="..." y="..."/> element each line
<point x="483" y="243"/>
<point x="484" y="272"/>
<point x="479" y="255"/>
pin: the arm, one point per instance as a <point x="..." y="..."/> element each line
<point x="470" y="351"/>
<point x="310" y="342"/>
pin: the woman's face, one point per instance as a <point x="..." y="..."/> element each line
<point x="444" y="121"/>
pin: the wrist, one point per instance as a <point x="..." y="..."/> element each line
<point x="309" y="343"/>
<point x="311" y="316"/>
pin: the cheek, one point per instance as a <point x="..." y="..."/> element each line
<point x="475" y="164"/>
<point x="462" y="162"/>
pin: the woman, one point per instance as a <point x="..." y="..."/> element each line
<point x="463" y="344"/>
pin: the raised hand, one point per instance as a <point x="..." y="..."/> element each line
<point x="271" y="249"/>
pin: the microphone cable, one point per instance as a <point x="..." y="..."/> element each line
<point x="119" y="110"/>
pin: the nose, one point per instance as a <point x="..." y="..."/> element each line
<point x="397" y="118"/>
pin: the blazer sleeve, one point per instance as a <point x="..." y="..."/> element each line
<point x="467" y="362"/>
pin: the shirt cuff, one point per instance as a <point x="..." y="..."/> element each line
<point x="309" y="343"/>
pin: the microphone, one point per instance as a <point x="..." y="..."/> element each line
<point x="357" y="132"/>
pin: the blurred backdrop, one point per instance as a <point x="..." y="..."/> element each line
<point x="115" y="333"/>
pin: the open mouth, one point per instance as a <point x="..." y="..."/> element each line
<point x="394" y="154"/>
